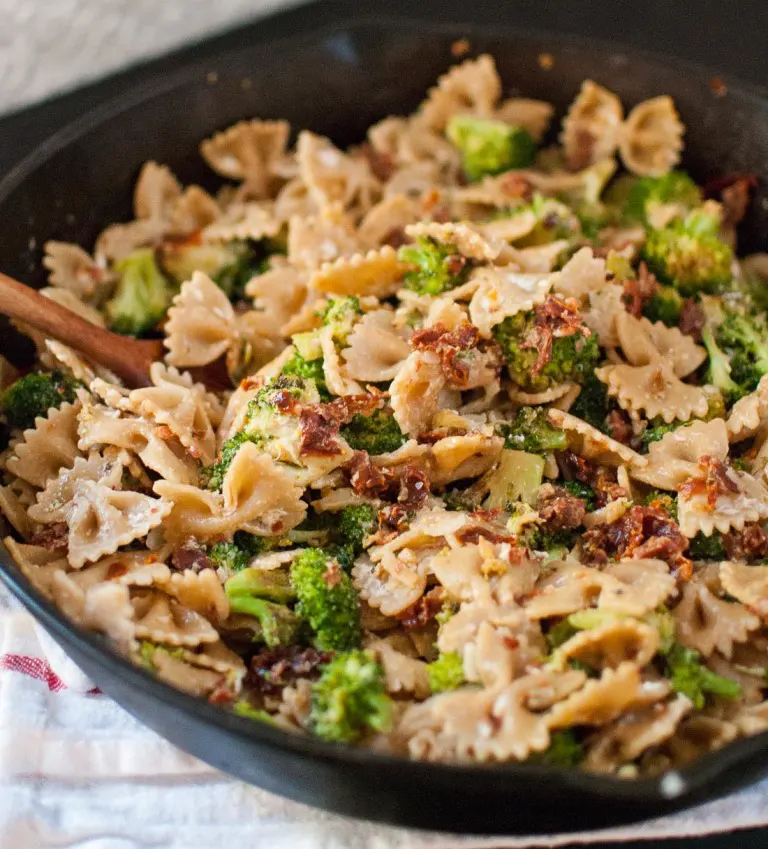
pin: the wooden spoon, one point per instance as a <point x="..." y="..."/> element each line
<point x="128" y="358"/>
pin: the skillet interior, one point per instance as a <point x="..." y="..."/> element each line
<point x="338" y="81"/>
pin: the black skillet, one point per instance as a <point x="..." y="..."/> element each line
<point x="337" y="80"/>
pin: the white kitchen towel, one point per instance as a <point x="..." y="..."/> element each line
<point x="77" y="771"/>
<point x="47" y="46"/>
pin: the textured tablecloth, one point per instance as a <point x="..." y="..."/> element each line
<point x="76" y="771"/>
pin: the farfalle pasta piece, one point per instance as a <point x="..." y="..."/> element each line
<point x="278" y="294"/>
<point x="200" y="326"/>
<point x="748" y="584"/>
<point x="503" y="292"/>
<point x="457" y="458"/>
<point x="415" y="391"/>
<point x="332" y="176"/>
<point x="127" y="568"/>
<point x="249" y="151"/>
<point x="403" y="674"/>
<point x="161" y="619"/>
<point x="705" y="622"/>
<point x="592" y="444"/>
<point x="193" y="210"/>
<point x="591" y="129"/>
<point x="532" y="115"/>
<point x="155" y="193"/>
<point x="257" y="496"/>
<point x="321" y="238"/>
<point x="101" y="426"/>
<point x="651" y="139"/>
<point x="37" y="564"/>
<point x="376" y="349"/>
<point x="655" y="390"/>
<point x="645" y="342"/>
<point x="605" y="306"/>
<point x="675" y="457"/>
<point x="72" y="268"/>
<point x="749" y="414"/>
<point x="49" y="446"/>
<point x="582" y="274"/>
<point x="251" y="220"/>
<point x="336" y="377"/>
<point x="610" y="645"/>
<point x="602" y="700"/>
<point x="376" y="273"/>
<point x="389" y="585"/>
<point x="746" y="501"/>
<point x="464" y="237"/>
<point x="472" y="87"/>
<point x="632" y="734"/>
<point x="387" y="218"/>
<point x="200" y="591"/>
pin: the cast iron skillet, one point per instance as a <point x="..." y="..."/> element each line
<point x="338" y="81"/>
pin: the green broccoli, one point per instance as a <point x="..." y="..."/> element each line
<point x="248" y="259"/>
<point x="553" y="543"/>
<point x="342" y="314"/>
<point x="593" y="403"/>
<point x="437" y="267"/>
<point x="327" y="600"/>
<point x="446" y="673"/>
<point x="147" y="651"/>
<point x="228" y="556"/>
<point x="657" y="429"/>
<point x="264" y="595"/>
<point x="649" y="193"/>
<point x="665" y="305"/>
<point x="583" y="491"/>
<point x="554" y="221"/>
<point x="352" y="525"/>
<point x="215" y="474"/>
<point x="689" y="676"/>
<point x="350" y="698"/>
<point x="745" y="338"/>
<point x="564" y="750"/>
<point x="532" y="431"/>
<point x="309" y="370"/>
<point x="490" y="147"/>
<point x="663" y="501"/>
<point x="246" y="709"/>
<point x="34" y="395"/>
<point x="142" y="295"/>
<point x="689" y="255"/>
<point x="707" y="548"/>
<point x="559" y="634"/>
<point x="572" y="358"/>
<point x="378" y="433"/>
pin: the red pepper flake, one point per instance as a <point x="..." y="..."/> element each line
<point x="546" y="61"/>
<point x="718" y="87"/>
<point x="116" y="570"/>
<point x="460" y="48"/>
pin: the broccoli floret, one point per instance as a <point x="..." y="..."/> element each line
<point x="438" y="267"/>
<point x="745" y="338"/>
<point x="593" y="403"/>
<point x="342" y="314"/>
<point x="553" y="542"/>
<point x="649" y="193"/>
<point x="657" y="429"/>
<point x="327" y="600"/>
<point x="148" y="650"/>
<point x="250" y="592"/>
<point x="707" y="548"/>
<point x="583" y="491"/>
<point x="446" y="673"/>
<point x="573" y="358"/>
<point x="247" y="259"/>
<point x="350" y="699"/>
<point x="532" y="431"/>
<point x="490" y="147"/>
<point x="689" y="255"/>
<point x="564" y="750"/>
<point x="231" y="266"/>
<point x="272" y="585"/>
<point x="353" y="524"/>
<point x="228" y="556"/>
<point x="246" y="709"/>
<point x="378" y="433"/>
<point x="34" y="395"/>
<point x="663" y="501"/>
<point x="308" y="370"/>
<point x="560" y="633"/>
<point x="215" y="474"/>
<point x="689" y="676"/>
<point x="142" y="295"/>
<point x="718" y="369"/>
<point x="665" y="305"/>
<point x="554" y="221"/>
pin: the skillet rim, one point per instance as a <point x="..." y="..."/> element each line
<point x="695" y="778"/>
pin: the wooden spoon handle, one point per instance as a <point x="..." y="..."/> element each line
<point x="129" y="358"/>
